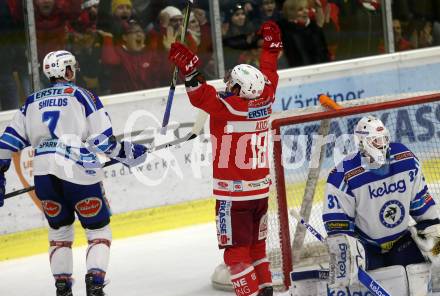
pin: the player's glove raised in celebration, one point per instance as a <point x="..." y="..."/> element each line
<point x="271" y="34"/>
<point x="183" y="58"/>
<point x="4" y="166"/>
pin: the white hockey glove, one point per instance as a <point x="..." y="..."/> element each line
<point x="347" y="254"/>
<point x="428" y="241"/>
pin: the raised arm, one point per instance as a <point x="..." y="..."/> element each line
<point x="272" y="46"/>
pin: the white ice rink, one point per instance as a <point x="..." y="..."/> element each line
<point x="170" y="263"/>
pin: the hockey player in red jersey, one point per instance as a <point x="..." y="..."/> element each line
<point x="239" y="136"/>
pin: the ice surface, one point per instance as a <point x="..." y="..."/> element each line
<point x="169" y="263"/>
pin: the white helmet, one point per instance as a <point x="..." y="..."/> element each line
<point x="250" y="80"/>
<point x="56" y="62"/>
<point x="373" y="139"/>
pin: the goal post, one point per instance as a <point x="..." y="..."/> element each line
<point x="309" y="142"/>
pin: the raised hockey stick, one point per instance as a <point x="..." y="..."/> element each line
<point x="166" y="116"/>
<point x="363" y="277"/>
<point x="195" y="131"/>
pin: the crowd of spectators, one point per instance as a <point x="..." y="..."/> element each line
<point x="122" y="45"/>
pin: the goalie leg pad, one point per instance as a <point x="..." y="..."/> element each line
<point x="261" y="264"/>
<point x="346" y="256"/>
<point x="98" y="251"/>
<point x="418" y="278"/>
<point x="60" y="252"/>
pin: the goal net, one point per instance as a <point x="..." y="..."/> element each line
<point x="309" y="142"/>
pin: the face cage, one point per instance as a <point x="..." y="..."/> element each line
<point x="376" y="148"/>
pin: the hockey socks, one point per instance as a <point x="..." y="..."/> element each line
<point x="261" y="264"/>
<point x="243" y="276"/>
<point x="244" y="280"/>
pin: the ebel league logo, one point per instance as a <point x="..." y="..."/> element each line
<point x="385" y="189"/>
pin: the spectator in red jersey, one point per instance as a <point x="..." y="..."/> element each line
<point x="52" y="18"/>
<point x="304" y="41"/>
<point x="134" y="67"/>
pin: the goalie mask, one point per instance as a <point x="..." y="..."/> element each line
<point x="247" y="79"/>
<point x="56" y="62"/>
<point x="373" y="140"/>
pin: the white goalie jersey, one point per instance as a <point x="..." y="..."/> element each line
<point x="376" y="206"/>
<point x="61" y="123"/>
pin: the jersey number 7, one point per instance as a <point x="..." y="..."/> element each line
<point x="50" y="118"/>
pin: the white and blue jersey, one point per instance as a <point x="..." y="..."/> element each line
<point x="376" y="207"/>
<point x="60" y="122"/>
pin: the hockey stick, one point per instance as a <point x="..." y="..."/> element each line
<point x="166" y="116"/>
<point x="195" y="131"/>
<point x="363" y="277"/>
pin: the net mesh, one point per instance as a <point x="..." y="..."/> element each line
<point x="416" y="126"/>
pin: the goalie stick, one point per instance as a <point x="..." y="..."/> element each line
<point x="195" y="131"/>
<point x="364" y="278"/>
<point x="166" y="116"/>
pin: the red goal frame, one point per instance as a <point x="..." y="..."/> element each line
<point x="284" y="236"/>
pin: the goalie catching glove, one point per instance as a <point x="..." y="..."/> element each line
<point x="428" y="241"/>
<point x="347" y="254"/>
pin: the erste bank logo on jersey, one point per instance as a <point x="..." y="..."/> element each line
<point x="387" y="188"/>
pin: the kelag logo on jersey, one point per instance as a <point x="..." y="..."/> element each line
<point x="392" y="213"/>
<point x="386" y="188"/>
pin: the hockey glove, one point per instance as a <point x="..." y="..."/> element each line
<point x="183" y="58"/>
<point x="428" y="241"/>
<point x="4" y="166"/>
<point x="271" y="34"/>
<point x="131" y="154"/>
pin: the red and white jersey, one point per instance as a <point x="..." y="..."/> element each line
<point x="239" y="136"/>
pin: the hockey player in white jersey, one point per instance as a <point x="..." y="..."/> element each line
<point x="67" y="126"/>
<point x="370" y="197"/>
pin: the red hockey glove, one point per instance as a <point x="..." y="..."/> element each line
<point x="183" y="58"/>
<point x="271" y="36"/>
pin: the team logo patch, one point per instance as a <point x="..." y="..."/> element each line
<point x="403" y="155"/>
<point x="237" y="186"/>
<point x="68" y="90"/>
<point x="223" y="185"/>
<point x="354" y="172"/>
<point x="89" y="207"/>
<point x="392" y="213"/>
<point x="51" y="208"/>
